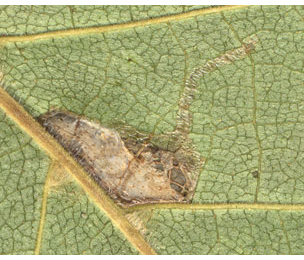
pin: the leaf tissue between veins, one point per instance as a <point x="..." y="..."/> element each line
<point x="134" y="172"/>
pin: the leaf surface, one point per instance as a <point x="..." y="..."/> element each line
<point x="128" y="66"/>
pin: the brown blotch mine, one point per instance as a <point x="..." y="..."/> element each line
<point x="131" y="171"/>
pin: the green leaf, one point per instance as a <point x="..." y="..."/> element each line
<point x="127" y="66"/>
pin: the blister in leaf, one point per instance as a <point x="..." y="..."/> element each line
<point x="131" y="172"/>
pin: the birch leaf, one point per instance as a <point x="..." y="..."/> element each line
<point x="128" y="66"/>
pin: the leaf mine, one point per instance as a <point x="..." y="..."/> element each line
<point x="131" y="172"/>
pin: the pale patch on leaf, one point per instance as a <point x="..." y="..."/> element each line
<point x="130" y="172"/>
